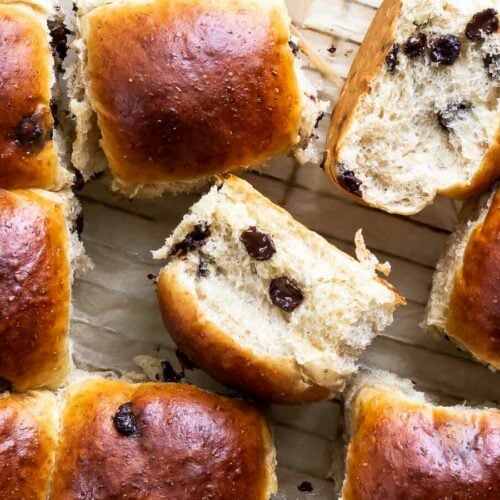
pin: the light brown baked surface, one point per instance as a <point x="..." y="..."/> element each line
<point x="402" y="448"/>
<point x="205" y="87"/>
<point x="26" y="159"/>
<point x="190" y="444"/>
<point x="27" y="445"/>
<point x="34" y="290"/>
<point x="474" y="306"/>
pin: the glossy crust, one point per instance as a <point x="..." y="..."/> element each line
<point x="28" y="428"/>
<point x="402" y="448"/>
<point x="190" y="445"/>
<point x="206" y="87"/>
<point x="26" y="67"/>
<point x="474" y="308"/>
<point x="371" y="57"/>
<point x="274" y="380"/>
<point x="34" y="290"/>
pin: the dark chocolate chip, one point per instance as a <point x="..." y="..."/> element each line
<point x="318" y="120"/>
<point x="125" y="421"/>
<point x="79" y="182"/>
<point x="186" y="362"/>
<point x="286" y="294"/>
<point x="482" y="24"/>
<point x="445" y="49"/>
<point x="415" y="45"/>
<point x="59" y="38"/>
<point x="195" y="239"/>
<point x="260" y="246"/>
<point x="31" y="133"/>
<point x="348" y="180"/>
<point x="332" y="49"/>
<point x="454" y="112"/>
<point x="152" y="277"/>
<point x="169" y="374"/>
<point x="392" y="58"/>
<point x="203" y="270"/>
<point x="492" y="64"/>
<point x="294" y="47"/>
<point x="306" y="487"/>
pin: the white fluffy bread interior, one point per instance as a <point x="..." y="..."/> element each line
<point x="88" y="156"/>
<point x="473" y="214"/>
<point x="345" y="304"/>
<point x="395" y="145"/>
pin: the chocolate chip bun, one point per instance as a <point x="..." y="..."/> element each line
<point x="465" y="299"/>
<point x="38" y="254"/>
<point x="31" y="148"/>
<point x="402" y="445"/>
<point x="206" y="87"/>
<point x="420" y="113"/>
<point x="161" y="441"/>
<point x="265" y="305"/>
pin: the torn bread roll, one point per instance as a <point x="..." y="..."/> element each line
<point x="32" y="150"/>
<point x="121" y="440"/>
<point x="265" y="305"/>
<point x="39" y="252"/>
<point x="465" y="300"/>
<point x="206" y="87"/>
<point x="420" y="112"/>
<point x="403" y="445"/>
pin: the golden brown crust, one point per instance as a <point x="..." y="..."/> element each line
<point x="404" y="449"/>
<point x="27" y="446"/>
<point x="212" y="349"/>
<point x="27" y="152"/>
<point x="474" y="308"/>
<point x="189" y="444"/>
<point x="206" y="87"/>
<point x="34" y="290"/>
<point x="371" y="57"/>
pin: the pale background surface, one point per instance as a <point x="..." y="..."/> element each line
<point x="116" y="316"/>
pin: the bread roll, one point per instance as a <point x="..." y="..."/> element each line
<point x="29" y="145"/>
<point x="404" y="446"/>
<point x="36" y="250"/>
<point x="28" y="440"/>
<point x="465" y="298"/>
<point x="265" y="305"/>
<point x="420" y="112"/>
<point x="186" y="89"/>
<point x="161" y="441"/>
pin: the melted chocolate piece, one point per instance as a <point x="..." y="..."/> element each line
<point x="286" y="294"/>
<point x="59" y="39"/>
<point x="260" y="246"/>
<point x="294" y="47"/>
<point x="125" y="421"/>
<point x="31" y="133"/>
<point x="332" y="49"/>
<point x="392" y="58"/>
<point x="452" y="113"/>
<point x="169" y="374"/>
<point x="79" y="182"/>
<point x="482" y="24"/>
<point x="203" y="270"/>
<point x="445" y="49"/>
<point x="79" y="225"/>
<point x="306" y="487"/>
<point x="348" y="180"/>
<point x="318" y="120"/>
<point x="492" y="64"/>
<point x="195" y="239"/>
<point x="415" y="45"/>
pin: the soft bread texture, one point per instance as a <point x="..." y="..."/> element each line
<point x="37" y="255"/>
<point x="465" y="298"/>
<point x="31" y="151"/>
<point x="404" y="446"/>
<point x="216" y="300"/>
<point x="207" y="87"/>
<point x="386" y="144"/>
<point x="188" y="444"/>
<point x="28" y="437"/>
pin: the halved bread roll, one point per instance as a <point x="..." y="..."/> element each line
<point x="420" y="113"/>
<point x="265" y="305"/>
<point x="28" y="438"/>
<point x="465" y="298"/>
<point x="174" y="92"/>
<point x="38" y="253"/>
<point x="402" y="445"/>
<point x="32" y="152"/>
<point x="161" y="441"/>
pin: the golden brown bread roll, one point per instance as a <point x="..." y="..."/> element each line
<point x="403" y="446"/>
<point x="28" y="151"/>
<point x="28" y="440"/>
<point x="185" y="89"/>
<point x="34" y="288"/>
<point x="161" y="441"/>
